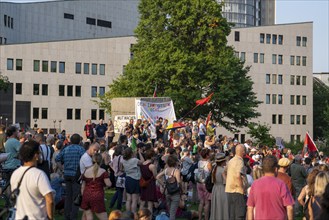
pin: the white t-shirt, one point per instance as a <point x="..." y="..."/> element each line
<point x="202" y="129"/>
<point x="35" y="185"/>
<point x="85" y="162"/>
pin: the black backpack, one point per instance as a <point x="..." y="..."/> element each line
<point x="209" y="183"/>
<point x="44" y="164"/>
<point x="171" y="184"/>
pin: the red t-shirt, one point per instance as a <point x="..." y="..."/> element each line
<point x="269" y="196"/>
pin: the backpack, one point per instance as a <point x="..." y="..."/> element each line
<point x="171" y="184"/>
<point x="200" y="174"/>
<point x="189" y="176"/>
<point x="209" y="182"/>
<point x="44" y="165"/>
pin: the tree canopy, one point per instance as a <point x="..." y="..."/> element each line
<point x="182" y="49"/>
<point x="4" y="82"/>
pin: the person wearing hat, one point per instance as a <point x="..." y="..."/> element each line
<point x="219" y="202"/>
<point x="282" y="173"/>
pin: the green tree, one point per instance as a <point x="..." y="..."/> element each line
<point x="320" y="110"/>
<point x="4" y="82"/>
<point x="182" y="49"/>
<point x="261" y="134"/>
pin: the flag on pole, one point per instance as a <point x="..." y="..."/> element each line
<point x="208" y="118"/>
<point x="155" y="92"/>
<point x="309" y="144"/>
<point x="204" y="100"/>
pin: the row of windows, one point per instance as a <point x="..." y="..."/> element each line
<point x="292" y="138"/>
<point x="301" y="41"/>
<point x="276" y="39"/>
<point x="297" y="80"/>
<point x="69" y="113"/>
<point x="61" y="90"/>
<point x="56" y="66"/>
<point x="100" y="23"/>
<point x="86" y="68"/>
<point x="8" y="21"/>
<point x="294" y="119"/>
<point x="298" y="59"/>
<point x="277" y="59"/>
<point x="278" y="99"/>
<point x="276" y="79"/>
<point x="3" y="40"/>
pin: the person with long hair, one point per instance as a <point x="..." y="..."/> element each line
<point x="94" y="180"/>
<point x="219" y="203"/>
<point x="308" y="190"/>
<point x="110" y="132"/>
<point x="324" y="205"/>
<point x="321" y="181"/>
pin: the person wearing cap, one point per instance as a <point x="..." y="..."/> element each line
<point x="219" y="202"/>
<point x="269" y="197"/>
<point x="282" y="173"/>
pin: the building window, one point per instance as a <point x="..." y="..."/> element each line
<point x="292" y="119"/>
<point x="53" y="66"/>
<point x="273" y="119"/>
<point x="262" y="38"/>
<point x="44" y="113"/>
<point x="292" y="138"/>
<point x="77" y="114"/>
<point x="93" y="114"/>
<point x="304" y="61"/>
<point x="274" y="38"/>
<point x="298" y="80"/>
<point x="69" y="90"/>
<point x="68" y="16"/>
<point x="61" y="67"/>
<point x="101" y="90"/>
<point x="304" y="41"/>
<point x="69" y="114"/>
<point x="280" y="39"/>
<point x="94" y="91"/>
<point x="44" y="89"/>
<point x="280" y="119"/>
<point x="36" y="65"/>
<point x="10" y="64"/>
<point x="273" y="78"/>
<point x="298" y="60"/>
<point x="292" y="80"/>
<point x="297" y="99"/>
<point x="280" y="79"/>
<point x="255" y="57"/>
<point x="94" y="69"/>
<point x="36" y="89"/>
<point x="298" y="39"/>
<point x="298" y="138"/>
<point x="280" y="99"/>
<point x="78" y="91"/>
<point x="304" y="80"/>
<point x="280" y="59"/>
<point x="292" y="60"/>
<point x="5" y="20"/>
<point x="91" y="21"/>
<point x="18" y="89"/>
<point x="101" y="114"/>
<point x="243" y="56"/>
<point x="304" y="119"/>
<point x="236" y="54"/>
<point x="44" y="66"/>
<point x="236" y="35"/>
<point x="19" y="64"/>
<point x="261" y="57"/>
<point x="268" y="78"/>
<point x="292" y="99"/>
<point x="12" y="23"/>
<point x="298" y="119"/>
<point x="273" y="58"/>
<point x="273" y="99"/>
<point x="61" y="90"/>
<point x="268" y="38"/>
<point x="303" y="100"/>
<point x="102" y="23"/>
<point x="78" y="68"/>
<point x="268" y="99"/>
<point x="86" y="68"/>
<point x="35" y="113"/>
<point x="101" y="69"/>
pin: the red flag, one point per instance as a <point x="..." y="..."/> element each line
<point x="208" y="118"/>
<point x="204" y="100"/>
<point x="309" y="144"/>
<point x="155" y="92"/>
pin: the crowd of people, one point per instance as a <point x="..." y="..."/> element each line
<point x="158" y="173"/>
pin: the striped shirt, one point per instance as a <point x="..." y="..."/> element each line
<point x="70" y="157"/>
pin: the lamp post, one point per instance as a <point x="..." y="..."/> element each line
<point x="6" y="122"/>
<point x="59" y="121"/>
<point x="54" y="124"/>
<point x="35" y="126"/>
<point x="1" y="120"/>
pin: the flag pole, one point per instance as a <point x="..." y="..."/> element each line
<point x="190" y="111"/>
<point x="313" y="143"/>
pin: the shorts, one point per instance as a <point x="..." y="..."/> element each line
<point x="132" y="185"/>
<point x="203" y="193"/>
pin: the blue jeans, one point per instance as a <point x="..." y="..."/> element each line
<point x="117" y="197"/>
